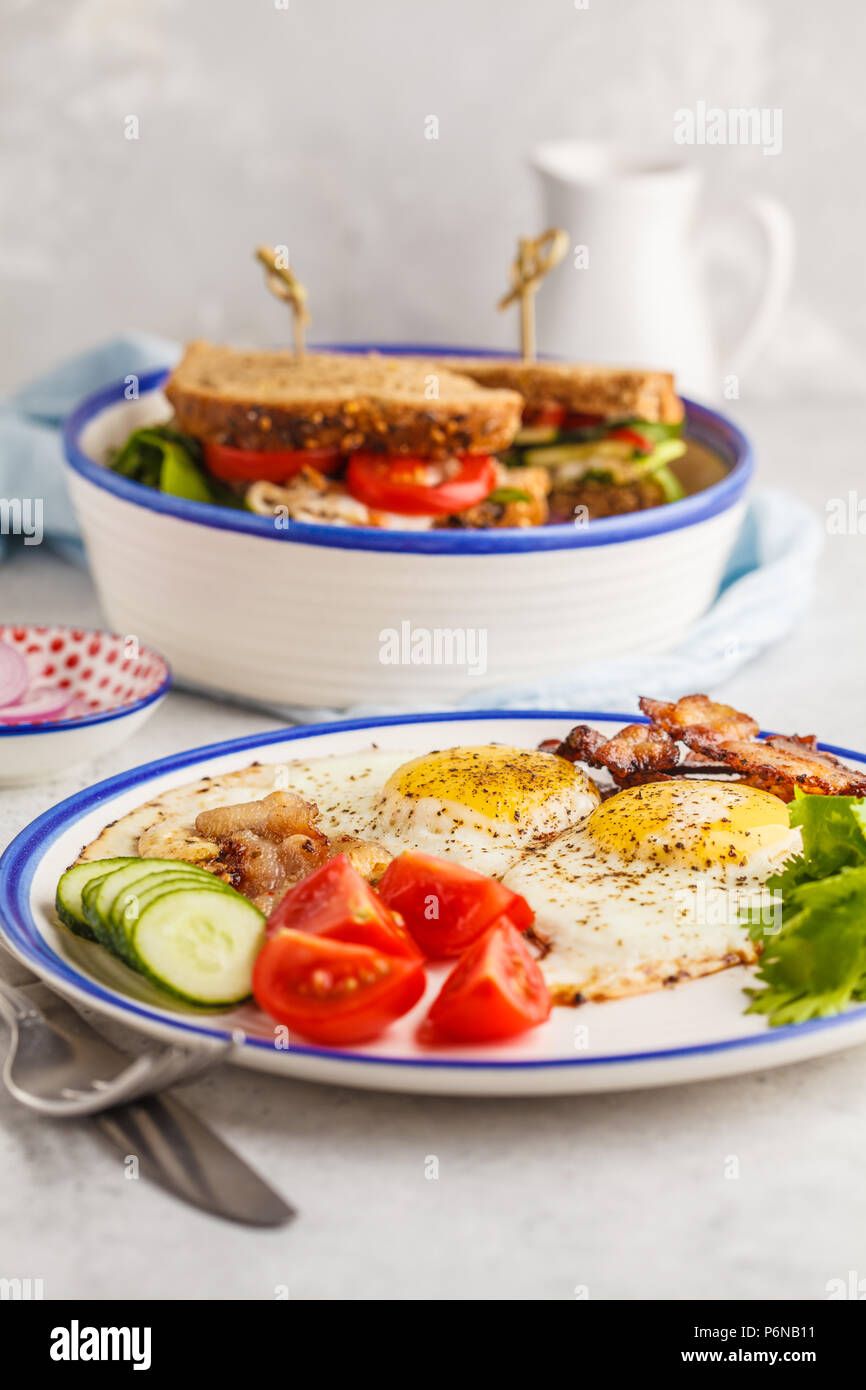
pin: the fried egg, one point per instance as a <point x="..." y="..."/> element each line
<point x="650" y="888"/>
<point x="482" y="805"/>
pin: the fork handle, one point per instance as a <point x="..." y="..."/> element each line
<point x="15" y="1007"/>
<point x="37" y="1042"/>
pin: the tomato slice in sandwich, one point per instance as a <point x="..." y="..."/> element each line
<point x="495" y="991"/>
<point x="336" y="901"/>
<point x="418" y="486"/>
<point x="266" y="465"/>
<point x="445" y="906"/>
<point x="634" y="437"/>
<point x="333" y="992"/>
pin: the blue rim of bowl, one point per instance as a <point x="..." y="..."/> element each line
<point x="22" y="857"/>
<point x="704" y="425"/>
<point x="62" y="726"/>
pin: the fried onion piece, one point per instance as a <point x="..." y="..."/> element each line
<point x="370" y="859"/>
<point x="699" y="712"/>
<point x="266" y="845"/>
<point x="276" y="816"/>
<point x="780" y="766"/>
<point x="258" y="866"/>
<point x="636" y="754"/>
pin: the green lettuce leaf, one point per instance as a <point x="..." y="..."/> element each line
<point x="163" y="458"/>
<point x="815" y="965"/>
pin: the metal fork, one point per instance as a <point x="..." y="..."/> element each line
<point x="59" y="1066"/>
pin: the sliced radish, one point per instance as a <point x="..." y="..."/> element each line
<point x="40" y="702"/>
<point x="14" y="675"/>
<point x="77" y="708"/>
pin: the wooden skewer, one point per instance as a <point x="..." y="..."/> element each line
<point x="283" y="282"/>
<point x="535" y="257"/>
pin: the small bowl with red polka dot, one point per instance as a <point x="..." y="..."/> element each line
<point x="87" y="692"/>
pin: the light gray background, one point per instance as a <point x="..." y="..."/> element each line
<point x="305" y="126"/>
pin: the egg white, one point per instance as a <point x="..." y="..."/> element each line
<point x="616" y="923"/>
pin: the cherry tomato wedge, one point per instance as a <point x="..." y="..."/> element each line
<point x="495" y="991"/>
<point x="420" y="487"/>
<point x="446" y="907"/>
<point x="266" y="465"/>
<point x="333" y="992"/>
<point x="638" y="441"/>
<point x="336" y="901"/>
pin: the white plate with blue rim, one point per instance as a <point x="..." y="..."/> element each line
<point x="693" y="1031"/>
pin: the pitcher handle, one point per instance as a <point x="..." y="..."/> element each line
<point x="777" y="226"/>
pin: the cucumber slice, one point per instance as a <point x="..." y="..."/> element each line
<point x="131" y="901"/>
<point x="669" y="483"/>
<point x="661" y="455"/>
<point x="100" y="895"/>
<point x="71" y="886"/>
<point x="97" y="925"/>
<point x="654" y="429"/>
<point x="199" y="944"/>
<point x="536" y="434"/>
<point x="555" y="455"/>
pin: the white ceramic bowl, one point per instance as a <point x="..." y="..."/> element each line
<point x="115" y="684"/>
<point x="315" y="616"/>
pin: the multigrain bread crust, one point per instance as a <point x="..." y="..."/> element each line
<point x="615" y="392"/>
<point x="271" y="400"/>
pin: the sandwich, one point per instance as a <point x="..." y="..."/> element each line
<point x="410" y="443"/>
<point x="606" y="435"/>
<point x="357" y="439"/>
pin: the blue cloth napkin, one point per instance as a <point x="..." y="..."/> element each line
<point x="30" y="449"/>
<point x="764" y="591"/>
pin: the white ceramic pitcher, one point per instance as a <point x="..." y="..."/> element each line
<point x="632" y="290"/>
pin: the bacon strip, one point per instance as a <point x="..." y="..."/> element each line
<point x="638" y="753"/>
<point x="699" y="712"/>
<point x="718" y="740"/>
<point x="780" y="765"/>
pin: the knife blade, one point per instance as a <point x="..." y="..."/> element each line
<point x="172" y="1146"/>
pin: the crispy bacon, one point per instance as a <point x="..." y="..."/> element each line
<point x="780" y="765"/>
<point x="638" y="753"/>
<point x="803" y="744"/>
<point x="701" y="713"/>
<point x="719" y="740"/>
<point x="695" y="763"/>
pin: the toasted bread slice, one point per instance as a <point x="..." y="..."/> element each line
<point x="614" y="392"/>
<point x="398" y="405"/>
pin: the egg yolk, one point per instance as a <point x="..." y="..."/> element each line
<point x="502" y="784"/>
<point x="696" y="824"/>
